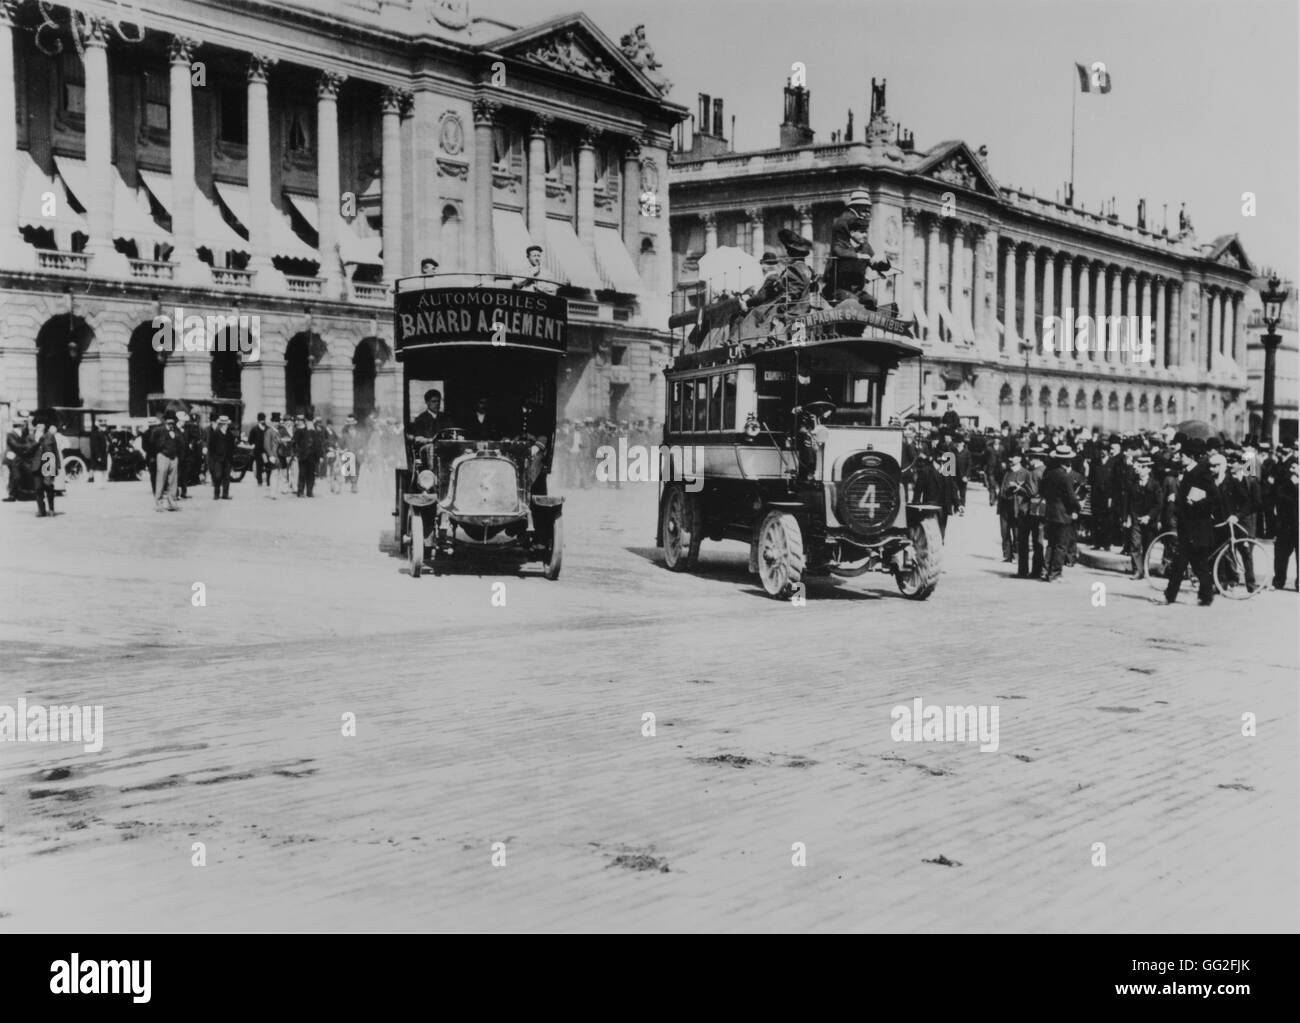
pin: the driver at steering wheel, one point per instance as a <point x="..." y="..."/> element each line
<point x="430" y="422"/>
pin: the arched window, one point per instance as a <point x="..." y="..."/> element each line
<point x="1063" y="398"/>
<point x="1112" y="403"/>
<point x="1128" y="402"/>
<point x="1158" y="405"/>
<point x="1096" y="401"/>
<point x="1004" y="395"/>
<point x="1081" y="399"/>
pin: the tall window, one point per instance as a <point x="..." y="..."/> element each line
<point x="298" y="137"/>
<point x="72" y="76"/>
<point x="234" y="116"/>
<point x="504" y="143"/>
<point x="157" y="101"/>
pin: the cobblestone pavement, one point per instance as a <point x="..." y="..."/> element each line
<point x="523" y="725"/>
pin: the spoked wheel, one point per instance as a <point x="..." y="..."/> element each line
<point x="1230" y="568"/>
<point x="921" y="578"/>
<point x="680" y="528"/>
<point x="555" y="556"/>
<point x="74" y="470"/>
<point x="780" y="554"/>
<point x="417" y="543"/>
<point x="1160" y="558"/>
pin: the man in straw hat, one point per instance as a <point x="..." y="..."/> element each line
<point x="851" y="254"/>
<point x="1061" y="508"/>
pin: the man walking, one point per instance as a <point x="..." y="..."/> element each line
<point x="1011" y="491"/>
<point x="257" y="438"/>
<point x="1241" y="500"/>
<point x="168" y="445"/>
<point x="306" y="448"/>
<point x="1061" y="508"/>
<point x="1199" y="506"/>
<point x="18" y="449"/>
<point x="221" y="453"/>
<point x="1143" y="503"/>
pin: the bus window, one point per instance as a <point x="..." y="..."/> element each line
<point x="729" y="402"/>
<point x="688" y="406"/>
<point x="715" y="403"/>
<point x="675" y="411"/>
<point x="701" y="405"/>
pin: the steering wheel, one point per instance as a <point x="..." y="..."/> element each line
<point x="819" y="410"/>
<point x="450" y="433"/>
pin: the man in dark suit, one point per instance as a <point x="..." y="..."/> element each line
<point x="1284" y="504"/>
<point x="482" y="425"/>
<point x="221" y="453"/>
<point x="1061" y="509"/>
<point x="44" y="463"/>
<point x="930" y="488"/>
<point x="257" y="438"/>
<point x="18" y="448"/>
<point x="1241" y="501"/>
<point x="306" y="448"/>
<point x="788" y="291"/>
<point x="1199" y="507"/>
<point x="1143" y="504"/>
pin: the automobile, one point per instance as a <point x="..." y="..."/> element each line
<point x="479" y="491"/>
<point x="75" y="425"/>
<point x="775" y="436"/>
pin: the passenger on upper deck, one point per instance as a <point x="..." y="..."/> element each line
<point x="794" y="283"/>
<point x="851" y="253"/>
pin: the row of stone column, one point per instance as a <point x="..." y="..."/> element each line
<point x="486" y="115"/>
<point x="755" y="217"/>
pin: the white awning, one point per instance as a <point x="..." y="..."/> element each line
<point x="615" y="263"/>
<point x="965" y="325"/>
<point x="352" y="247"/>
<point x="569" y="257"/>
<point x="918" y="314"/>
<point x="34" y="187"/>
<point x="132" y="218"/>
<point x="284" y="242"/>
<point x="510" y="241"/>
<point x="210" y="229"/>
<point x="947" y="319"/>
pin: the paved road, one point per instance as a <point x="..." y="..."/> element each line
<point x="523" y="724"/>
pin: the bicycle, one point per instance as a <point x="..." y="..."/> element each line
<point x="1227" y="563"/>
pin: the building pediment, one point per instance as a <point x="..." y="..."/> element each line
<point x="952" y="163"/>
<point x="574" y="46"/>
<point x="1226" y="250"/>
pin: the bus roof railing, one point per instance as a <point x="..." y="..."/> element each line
<point x="431" y="282"/>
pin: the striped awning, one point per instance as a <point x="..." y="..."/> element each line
<point x="352" y="247"/>
<point x="132" y="218"/>
<point x="569" y="256"/>
<point x="615" y="264"/>
<point x="36" y="188"/>
<point x="918" y="314"/>
<point x="210" y="229"/>
<point x="510" y="241"/>
<point x="284" y="242"/>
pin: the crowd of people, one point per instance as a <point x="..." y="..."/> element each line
<point x="578" y="445"/>
<point x="1055" y="487"/>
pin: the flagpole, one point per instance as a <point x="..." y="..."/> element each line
<point x="1074" y="104"/>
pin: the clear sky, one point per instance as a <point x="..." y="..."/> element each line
<point x="1205" y="103"/>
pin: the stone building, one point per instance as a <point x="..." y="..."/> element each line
<point x="285" y="163"/>
<point x="982" y="268"/>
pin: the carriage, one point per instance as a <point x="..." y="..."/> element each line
<point x="470" y="489"/>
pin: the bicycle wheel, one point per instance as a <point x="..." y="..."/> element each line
<point x="1160" y="559"/>
<point x="1230" y="565"/>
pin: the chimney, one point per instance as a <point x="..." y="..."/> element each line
<point x="706" y="142"/>
<point x="848" y="132"/>
<point x="794" y="129"/>
<point x="717" y="119"/>
<point x="702" y="120"/>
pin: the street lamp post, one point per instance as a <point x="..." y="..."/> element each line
<point x="1273" y="299"/>
<point x="1027" y="347"/>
